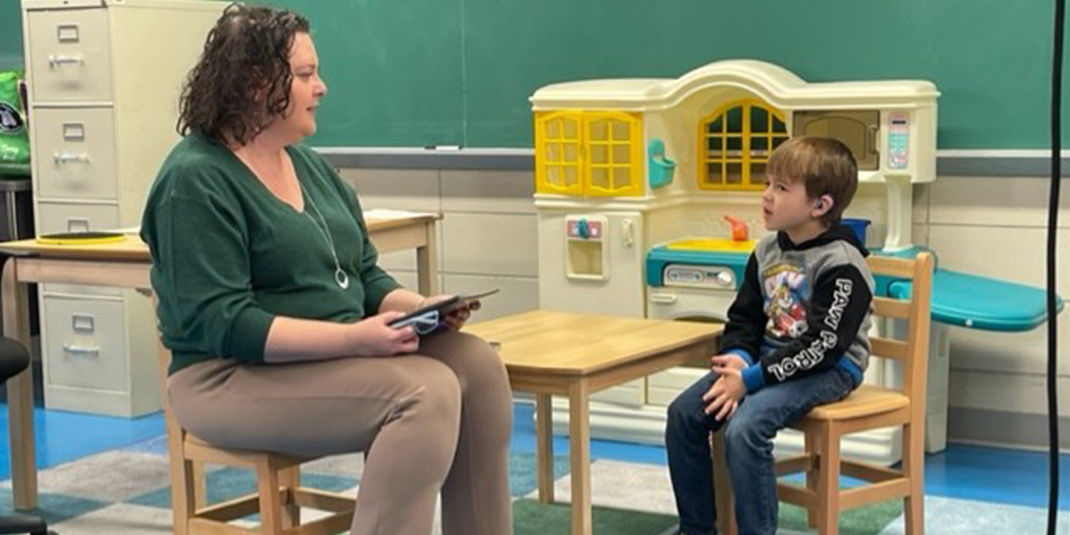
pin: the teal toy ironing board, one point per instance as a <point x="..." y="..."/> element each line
<point x="982" y="303"/>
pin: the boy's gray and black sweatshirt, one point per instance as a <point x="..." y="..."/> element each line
<point x="802" y="309"/>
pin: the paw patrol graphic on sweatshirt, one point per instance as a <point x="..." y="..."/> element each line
<point x="787" y="288"/>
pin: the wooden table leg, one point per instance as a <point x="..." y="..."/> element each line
<point x="544" y="440"/>
<point x="579" y="424"/>
<point x="20" y="394"/>
<point x="427" y="263"/>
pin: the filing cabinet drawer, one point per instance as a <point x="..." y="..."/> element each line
<point x="86" y="342"/>
<point x="72" y="217"/>
<point x="70" y="55"/>
<point x="75" y="153"/>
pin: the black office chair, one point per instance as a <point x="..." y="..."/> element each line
<point x="13" y="359"/>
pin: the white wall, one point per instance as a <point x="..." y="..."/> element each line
<point x="996" y="227"/>
<point x="487" y="236"/>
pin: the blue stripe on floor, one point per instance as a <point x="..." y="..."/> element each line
<point x="995" y="475"/>
<point x="965" y="472"/>
<point x="63" y="436"/>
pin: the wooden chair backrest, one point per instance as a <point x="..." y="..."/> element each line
<point x="914" y="349"/>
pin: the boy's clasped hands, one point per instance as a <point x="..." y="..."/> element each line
<point x="727" y="392"/>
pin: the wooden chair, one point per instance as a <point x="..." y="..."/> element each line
<point x="279" y="495"/>
<point x="868" y="407"/>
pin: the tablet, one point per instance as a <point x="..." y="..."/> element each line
<point x="432" y="318"/>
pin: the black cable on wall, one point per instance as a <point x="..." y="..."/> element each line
<point x="1053" y="225"/>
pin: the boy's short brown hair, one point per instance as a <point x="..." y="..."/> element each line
<point x="825" y="165"/>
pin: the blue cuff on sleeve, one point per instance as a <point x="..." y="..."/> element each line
<point x="851" y="368"/>
<point x="753" y="378"/>
<point x="742" y="353"/>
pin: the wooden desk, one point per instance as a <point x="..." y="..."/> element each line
<point x="575" y="355"/>
<point x="127" y="264"/>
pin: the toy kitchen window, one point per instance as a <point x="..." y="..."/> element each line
<point x="611" y="158"/>
<point x="735" y="142"/>
<point x="588" y="153"/>
<point x="857" y="129"/>
<point x="558" y="147"/>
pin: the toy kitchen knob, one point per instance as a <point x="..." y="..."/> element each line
<point x="725" y="278"/>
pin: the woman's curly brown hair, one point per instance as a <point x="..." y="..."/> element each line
<point x="242" y="81"/>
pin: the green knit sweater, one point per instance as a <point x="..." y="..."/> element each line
<point x="228" y="256"/>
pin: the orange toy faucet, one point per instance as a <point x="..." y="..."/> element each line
<point x="739" y="228"/>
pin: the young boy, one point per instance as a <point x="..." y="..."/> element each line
<point x="795" y="338"/>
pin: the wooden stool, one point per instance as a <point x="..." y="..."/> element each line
<point x="279" y="497"/>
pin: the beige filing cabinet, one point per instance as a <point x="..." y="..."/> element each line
<point x="104" y="78"/>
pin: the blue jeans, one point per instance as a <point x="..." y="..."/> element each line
<point x="748" y="448"/>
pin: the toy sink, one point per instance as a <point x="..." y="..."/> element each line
<point x="719" y="245"/>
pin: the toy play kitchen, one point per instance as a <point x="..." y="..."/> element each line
<point x="635" y="178"/>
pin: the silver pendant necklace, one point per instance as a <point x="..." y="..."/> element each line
<point x="340" y="276"/>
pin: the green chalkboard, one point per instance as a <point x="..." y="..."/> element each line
<point x="459" y="72"/>
<point x="393" y="70"/>
<point x="419" y="72"/>
<point x="10" y="35"/>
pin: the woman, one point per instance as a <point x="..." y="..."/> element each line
<point x="278" y="316"/>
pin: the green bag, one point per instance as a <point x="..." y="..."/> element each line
<point x="14" y="140"/>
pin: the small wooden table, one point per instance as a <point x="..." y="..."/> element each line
<point x="575" y="355"/>
<point x="126" y="264"/>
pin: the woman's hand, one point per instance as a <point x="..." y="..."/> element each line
<point x="374" y="337"/>
<point x="456" y="319"/>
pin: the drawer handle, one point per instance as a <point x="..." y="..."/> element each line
<point x="60" y="60"/>
<point x="81" y="350"/>
<point x="70" y="157"/>
<point x="628" y="231"/>
<point x="663" y="299"/>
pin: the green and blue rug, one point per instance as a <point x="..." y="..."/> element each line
<point x="125" y="492"/>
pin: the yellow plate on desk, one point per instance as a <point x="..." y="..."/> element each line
<point x="81" y="238"/>
<point x="719" y="245"/>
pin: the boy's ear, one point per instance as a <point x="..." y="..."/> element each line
<point x="822" y="205"/>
